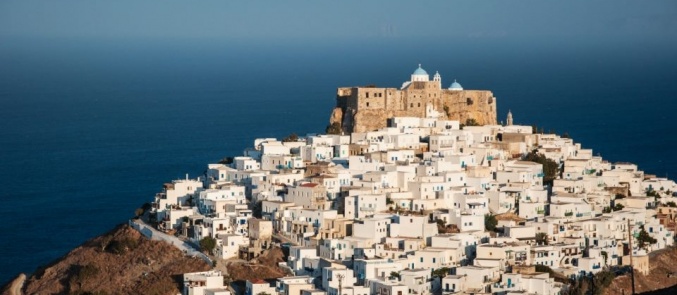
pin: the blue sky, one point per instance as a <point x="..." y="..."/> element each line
<point x="323" y="21"/>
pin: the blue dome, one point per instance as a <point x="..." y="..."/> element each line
<point x="455" y="86"/>
<point x="420" y="71"/>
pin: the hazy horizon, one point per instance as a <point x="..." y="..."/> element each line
<point x="570" y="22"/>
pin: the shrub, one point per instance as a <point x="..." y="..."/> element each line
<point x="490" y="222"/>
<point x="550" y="167"/>
<point x="291" y="138"/>
<point x="644" y="239"/>
<point x="226" y="161"/>
<point x="618" y="207"/>
<point x="207" y="244"/>
<point x="541" y="238"/>
<point x="604" y="278"/>
<point x="447" y="111"/>
<point x="122" y="246"/>
<point x="257" y="209"/>
<point x="334" y="128"/>
<point x="441" y="272"/>
<point x="471" y="122"/>
<point x="83" y="273"/>
<point x="146" y="206"/>
<point x="138" y="212"/>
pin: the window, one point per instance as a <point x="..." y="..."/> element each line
<point x="367" y="104"/>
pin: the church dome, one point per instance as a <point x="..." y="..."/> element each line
<point x="420" y="75"/>
<point x="455" y="86"/>
<point x="420" y="71"/>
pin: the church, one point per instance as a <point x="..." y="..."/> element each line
<point x="360" y="109"/>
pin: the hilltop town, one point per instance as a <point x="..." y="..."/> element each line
<point x="426" y="204"/>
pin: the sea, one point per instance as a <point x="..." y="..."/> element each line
<point x="91" y="129"/>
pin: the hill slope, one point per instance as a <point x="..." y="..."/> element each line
<point x="121" y="261"/>
<point x="662" y="278"/>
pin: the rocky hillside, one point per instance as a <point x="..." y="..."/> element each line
<point x="262" y="268"/>
<point x="661" y="279"/>
<point x="121" y="261"/>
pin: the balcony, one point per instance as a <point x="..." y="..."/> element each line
<point x="503" y="286"/>
<point x="568" y="214"/>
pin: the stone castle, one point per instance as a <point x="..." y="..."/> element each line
<point x="360" y="109"/>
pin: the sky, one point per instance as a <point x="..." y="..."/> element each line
<point x="306" y="22"/>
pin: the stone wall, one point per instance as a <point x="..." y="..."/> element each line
<point x="360" y="109"/>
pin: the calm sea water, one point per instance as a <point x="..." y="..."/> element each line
<point x="91" y="131"/>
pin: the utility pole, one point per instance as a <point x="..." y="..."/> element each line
<point x="340" y="279"/>
<point x="632" y="266"/>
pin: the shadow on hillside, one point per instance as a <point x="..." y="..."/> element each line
<point x="666" y="291"/>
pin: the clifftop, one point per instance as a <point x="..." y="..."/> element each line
<point x="121" y="261"/>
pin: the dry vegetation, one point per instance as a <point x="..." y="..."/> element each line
<point x="263" y="267"/>
<point x="119" y="262"/>
<point x="663" y="274"/>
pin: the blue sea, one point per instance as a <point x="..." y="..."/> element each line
<point x="89" y="130"/>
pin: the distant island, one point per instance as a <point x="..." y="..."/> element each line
<point x="413" y="190"/>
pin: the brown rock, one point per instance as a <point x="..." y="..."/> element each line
<point x="662" y="275"/>
<point x="116" y="263"/>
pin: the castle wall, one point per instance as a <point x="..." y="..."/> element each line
<point x="360" y="109"/>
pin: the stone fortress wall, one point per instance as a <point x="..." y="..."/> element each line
<point x="360" y="109"/>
